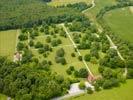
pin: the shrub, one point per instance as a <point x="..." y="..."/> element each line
<point x="82" y="85"/>
<point x="87" y="57"/>
<point x="80" y="58"/>
<point x="73" y="54"/>
<point x="89" y="90"/>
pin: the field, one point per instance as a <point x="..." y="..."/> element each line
<point x="64" y="2"/>
<point x="8" y="43"/>
<point x="121" y="93"/>
<point x="3" y="97"/>
<point x="121" y="22"/>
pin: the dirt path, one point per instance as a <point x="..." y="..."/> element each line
<point x="75" y="46"/>
<point x="93" y="5"/>
<point x="131" y="9"/>
<point x="112" y="45"/>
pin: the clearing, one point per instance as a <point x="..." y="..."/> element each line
<point x="8" y="43"/>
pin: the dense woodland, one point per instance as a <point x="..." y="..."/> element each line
<point x="26" y="13"/>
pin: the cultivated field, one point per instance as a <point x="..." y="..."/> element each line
<point x="8" y="43"/>
<point x="121" y="22"/>
<point x="123" y="92"/>
<point x="64" y="2"/>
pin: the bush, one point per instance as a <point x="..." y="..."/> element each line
<point x="31" y="43"/>
<point x="68" y="71"/>
<point x="87" y="57"/>
<point x="83" y="73"/>
<point x="80" y="58"/>
<point x="41" y="50"/>
<point x="89" y="90"/>
<point x="48" y="39"/>
<point x="38" y="45"/>
<point x="73" y="54"/>
<point x="60" y="52"/>
<point x="107" y="84"/>
<point x="82" y="85"/>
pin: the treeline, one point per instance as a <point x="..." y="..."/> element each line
<point x="30" y="81"/>
<point x="78" y="6"/>
<point x="109" y="8"/>
<point x="26" y="13"/>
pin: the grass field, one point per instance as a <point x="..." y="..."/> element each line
<point x="64" y="2"/>
<point x="125" y="92"/>
<point x="121" y="22"/>
<point x="8" y="43"/>
<point x="3" y="97"/>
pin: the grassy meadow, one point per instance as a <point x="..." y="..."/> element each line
<point x="124" y="92"/>
<point x="121" y="22"/>
<point x="8" y="43"/>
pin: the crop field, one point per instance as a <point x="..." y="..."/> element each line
<point x="8" y="43"/>
<point x="121" y="22"/>
<point x="124" y="92"/>
<point x="64" y="2"/>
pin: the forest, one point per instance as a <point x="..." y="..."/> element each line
<point x="26" y="13"/>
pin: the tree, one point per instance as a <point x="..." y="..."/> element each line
<point x="82" y="85"/>
<point x="73" y="54"/>
<point x="68" y="71"/>
<point x="87" y="57"/>
<point x="54" y="43"/>
<point x="89" y="90"/>
<point x="93" y="60"/>
<point x="80" y="58"/>
<point x="38" y="45"/>
<point x="48" y="39"/>
<point x="101" y="69"/>
<point x="83" y="73"/>
<point x="23" y="37"/>
<point x="31" y="43"/>
<point x="59" y="41"/>
<point x="20" y="46"/>
<point x="76" y="73"/>
<point x="60" y="52"/>
<point x="41" y="50"/>
<point x="107" y="84"/>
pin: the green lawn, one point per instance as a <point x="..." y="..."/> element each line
<point x="121" y="22"/>
<point x="124" y="92"/>
<point x="3" y="97"/>
<point x="64" y="2"/>
<point x="8" y="43"/>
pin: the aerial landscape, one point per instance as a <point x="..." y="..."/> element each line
<point x="66" y="49"/>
